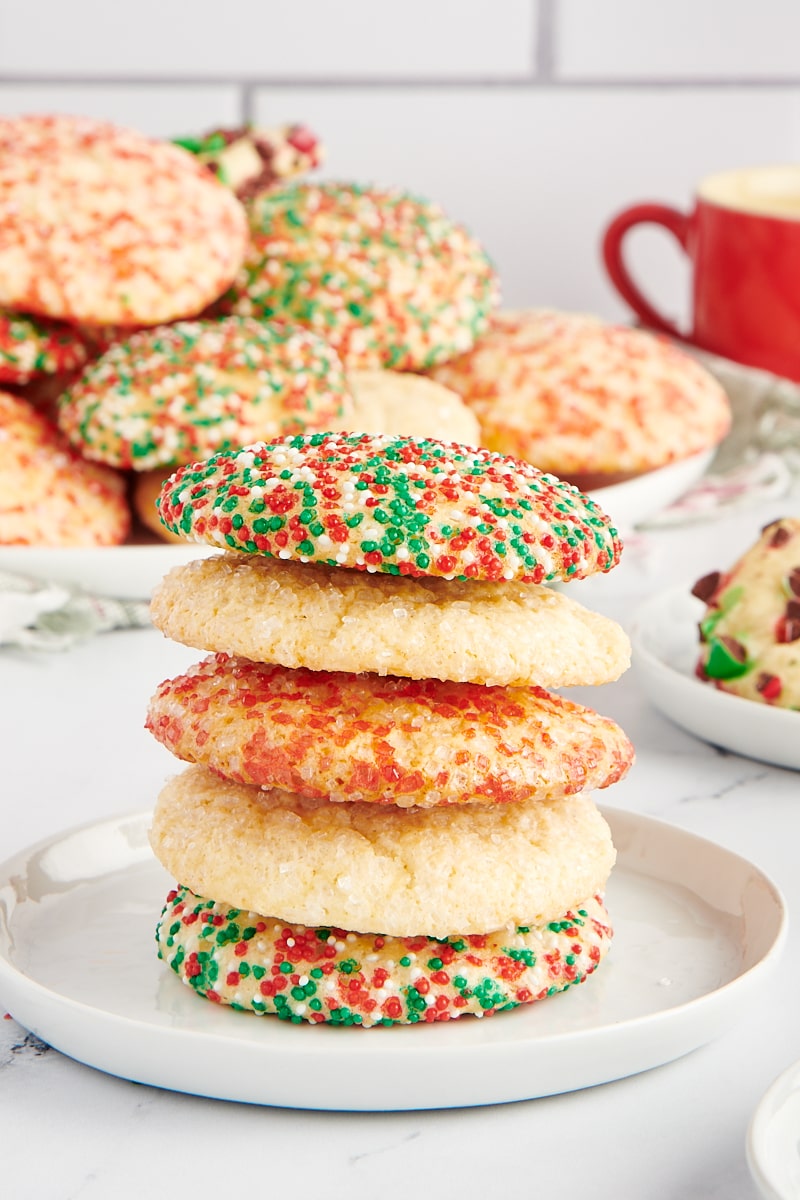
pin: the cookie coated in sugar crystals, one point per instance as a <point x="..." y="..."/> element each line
<point x="327" y="619"/>
<point x="407" y="404"/>
<point x="402" y="506"/>
<point x="367" y="738"/>
<point x="369" y="867"/>
<point x="592" y="402"/>
<point x="49" y="495"/>
<point x="103" y="225"/>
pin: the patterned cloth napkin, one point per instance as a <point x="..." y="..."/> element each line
<point x="759" y="459"/>
<point x="38" y="615"/>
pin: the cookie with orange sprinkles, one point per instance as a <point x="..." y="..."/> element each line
<point x="103" y="225"/>
<point x="594" y="403"/>
<point x="398" y="505"/>
<point x="179" y="392"/>
<point x="259" y="965"/>
<point x="384" y="740"/>
<point x="31" y="347"/>
<point x="49" y="495"/>
<point x="386" y="277"/>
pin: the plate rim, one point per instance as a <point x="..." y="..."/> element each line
<point x="784" y="1084"/>
<point x="704" y="1006"/>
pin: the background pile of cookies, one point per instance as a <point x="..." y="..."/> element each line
<point x="159" y="302"/>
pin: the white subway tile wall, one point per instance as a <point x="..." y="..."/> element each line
<point x="533" y="121"/>
<point x="160" y="110"/>
<point x="313" y="39"/>
<point x="679" y="40"/>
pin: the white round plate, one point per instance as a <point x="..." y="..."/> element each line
<point x="698" y="933"/>
<point x="773" y="1139"/>
<point x="631" y="503"/>
<point x="665" y="649"/>
<point x="125" y="572"/>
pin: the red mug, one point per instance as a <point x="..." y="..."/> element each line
<point x="743" y="241"/>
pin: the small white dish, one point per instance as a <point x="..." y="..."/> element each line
<point x="125" y="572"/>
<point x="665" y="650"/>
<point x="773" y="1139"/>
<point x="699" y="932"/>
<point x="631" y="503"/>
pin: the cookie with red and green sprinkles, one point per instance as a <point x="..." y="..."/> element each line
<point x="31" y="347"/>
<point x="180" y="392"/>
<point x="750" y="630"/>
<point x="398" y="505"/>
<point x="387" y="278"/>
<point x="259" y="965"/>
<point x="384" y="740"/>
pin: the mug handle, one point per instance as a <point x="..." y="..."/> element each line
<point x="642" y="214"/>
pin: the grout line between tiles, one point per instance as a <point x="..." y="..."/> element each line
<point x="525" y="82"/>
<point x="546" y="41"/>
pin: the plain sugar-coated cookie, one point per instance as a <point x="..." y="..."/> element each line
<point x="410" y="405"/>
<point x="387" y="278"/>
<point x="592" y="402"/>
<point x="180" y="392"/>
<point x="326" y="619"/>
<point x="49" y="496"/>
<point x="399" y="505"/>
<point x="367" y="867"/>
<point x="259" y="965"/>
<point x="145" y="489"/>
<point x="100" y="224"/>
<point x="750" y="633"/>
<point x="384" y="740"/>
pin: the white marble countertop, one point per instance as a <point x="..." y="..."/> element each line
<point x="74" y="750"/>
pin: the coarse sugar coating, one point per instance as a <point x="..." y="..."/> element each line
<point x="400" y="505"/>
<point x="180" y="392"/>
<point x="49" y="496"/>
<point x="750" y="632"/>
<point x="387" y="278"/>
<point x="100" y="224"/>
<point x="407" y="404"/>
<point x="367" y="867"/>
<point x="585" y="399"/>
<point x="326" y="619"/>
<point x="384" y="740"/>
<point x="259" y="965"/>
<point x="31" y="347"/>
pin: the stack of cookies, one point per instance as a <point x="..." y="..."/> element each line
<point x="388" y="818"/>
